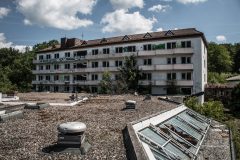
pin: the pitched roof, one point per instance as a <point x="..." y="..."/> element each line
<point x="235" y="78"/>
<point x="181" y="33"/>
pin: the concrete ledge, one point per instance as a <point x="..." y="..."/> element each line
<point x="11" y="115"/>
<point x="133" y="147"/>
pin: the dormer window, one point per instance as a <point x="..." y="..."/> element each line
<point x="125" y="38"/>
<point x="169" y="33"/>
<point x="84" y="42"/>
<point x="147" y="35"/>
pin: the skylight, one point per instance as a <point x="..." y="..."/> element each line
<point x="175" y="134"/>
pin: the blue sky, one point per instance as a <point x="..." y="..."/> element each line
<point x="27" y="22"/>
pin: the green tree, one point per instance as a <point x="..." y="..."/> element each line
<point x="236" y="59"/>
<point x="219" y="59"/>
<point x="43" y="45"/>
<point x="106" y="83"/>
<point x="129" y="74"/>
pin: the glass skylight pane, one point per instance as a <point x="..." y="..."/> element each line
<point x="174" y="128"/>
<point x="193" y="121"/>
<point x="186" y="128"/>
<point x="177" y="151"/>
<point x="158" y="155"/>
<point x="153" y="136"/>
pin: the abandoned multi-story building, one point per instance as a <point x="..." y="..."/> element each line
<point x="178" y="56"/>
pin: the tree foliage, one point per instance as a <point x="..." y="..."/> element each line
<point x="129" y="74"/>
<point x="16" y="67"/>
<point x="106" y="83"/>
<point x="219" y="59"/>
<point x="213" y="109"/>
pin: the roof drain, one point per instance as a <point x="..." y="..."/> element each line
<point x="71" y="139"/>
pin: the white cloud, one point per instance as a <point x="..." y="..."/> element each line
<point x="4" y="12"/>
<point x="159" y="8"/>
<point x="3" y="41"/>
<point x="62" y="14"/>
<point x="221" y="38"/>
<point x="159" y="29"/>
<point x="121" y="21"/>
<point x="5" y="44"/>
<point x="191" y="1"/>
<point x="126" y="4"/>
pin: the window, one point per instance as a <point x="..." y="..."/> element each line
<point x="159" y="46"/>
<point x="106" y="50"/>
<point x="80" y="65"/>
<point x="147" y="62"/>
<point x="48" y="56"/>
<point x="56" y="66"/>
<point x="186" y="91"/>
<point x="105" y="64"/>
<point x="80" y="53"/>
<point x="47" y="78"/>
<point x="189" y="44"/>
<point x="56" y="56"/>
<point x="55" y="88"/>
<point x="146" y="76"/>
<point x="118" y="63"/>
<point x="147" y="47"/>
<point x="40" y="67"/>
<point x="66" y="78"/>
<point x="48" y="67"/>
<point x="171" y="60"/>
<point x="94" y="89"/>
<point x="47" y="88"/>
<point x="171" y="45"/>
<point x="119" y="49"/>
<point x="67" y="66"/>
<point x="56" y="77"/>
<point x="183" y="76"/>
<point x="40" y="78"/>
<point x="186" y="44"/>
<point x="185" y="60"/>
<point x="41" y="57"/>
<point x="171" y="76"/>
<point x="80" y="77"/>
<point x="94" y="77"/>
<point x="66" y="89"/>
<point x="189" y="76"/>
<point x="130" y="49"/>
<point x="67" y="54"/>
<point x="94" y="64"/>
<point x="95" y="52"/>
<point x="117" y="76"/>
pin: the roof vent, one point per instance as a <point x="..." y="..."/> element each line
<point x="71" y="139"/>
<point x="130" y="104"/>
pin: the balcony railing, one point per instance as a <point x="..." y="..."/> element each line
<point x="166" y="67"/>
<point x="165" y="82"/>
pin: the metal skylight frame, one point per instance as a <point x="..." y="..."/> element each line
<point x="193" y="120"/>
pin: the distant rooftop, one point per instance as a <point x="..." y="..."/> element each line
<point x="235" y="78"/>
<point x="75" y="43"/>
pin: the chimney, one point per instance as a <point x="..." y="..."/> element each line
<point x="63" y="42"/>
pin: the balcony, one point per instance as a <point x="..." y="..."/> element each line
<point x="165" y="82"/>
<point x="175" y="51"/>
<point x="68" y="59"/>
<point x="163" y="67"/>
<point x="174" y="67"/>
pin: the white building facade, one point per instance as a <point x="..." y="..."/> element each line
<point x="178" y="56"/>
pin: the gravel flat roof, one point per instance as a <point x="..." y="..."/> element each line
<point x="103" y="115"/>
